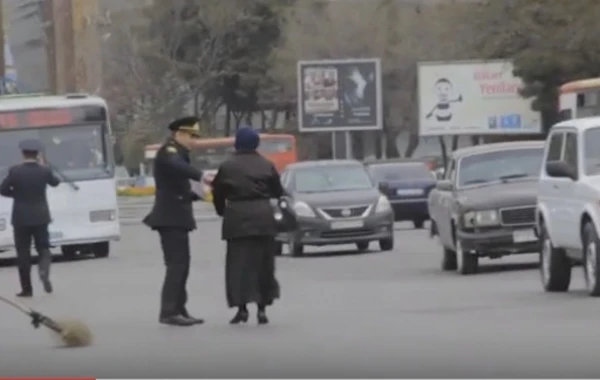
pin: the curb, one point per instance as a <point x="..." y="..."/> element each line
<point x="199" y="219"/>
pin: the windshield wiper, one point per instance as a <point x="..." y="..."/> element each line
<point x="514" y="176"/>
<point x="62" y="176"/>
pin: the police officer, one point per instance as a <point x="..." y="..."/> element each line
<point x="26" y="183"/>
<point x="172" y="216"/>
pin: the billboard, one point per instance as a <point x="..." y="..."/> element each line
<point x="339" y="95"/>
<point x="473" y="98"/>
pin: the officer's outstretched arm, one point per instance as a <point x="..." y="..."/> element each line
<point x="178" y="165"/>
<point x="6" y="188"/>
<point x="53" y="180"/>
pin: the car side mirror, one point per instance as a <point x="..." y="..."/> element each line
<point x="444" y="185"/>
<point x="560" y="169"/>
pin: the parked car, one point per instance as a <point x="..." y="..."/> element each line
<point x="407" y="186"/>
<point x="568" y="207"/>
<point x="485" y="205"/>
<point x="335" y="202"/>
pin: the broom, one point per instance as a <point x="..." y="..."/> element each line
<point x="71" y="333"/>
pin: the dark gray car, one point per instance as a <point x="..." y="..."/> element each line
<point x="336" y="202"/>
<point x="485" y="205"/>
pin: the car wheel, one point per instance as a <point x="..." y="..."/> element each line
<point x="419" y="224"/>
<point x="362" y="246"/>
<point x="591" y="266"/>
<point x="449" y="260"/>
<point x="466" y="262"/>
<point x="69" y="252"/>
<point x="386" y="244"/>
<point x="100" y="250"/>
<point x="296" y="250"/>
<point x="555" y="266"/>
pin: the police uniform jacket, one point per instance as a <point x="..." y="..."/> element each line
<point x="174" y="196"/>
<point x="242" y="190"/>
<point x="26" y="184"/>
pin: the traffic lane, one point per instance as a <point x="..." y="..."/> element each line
<point x="392" y="314"/>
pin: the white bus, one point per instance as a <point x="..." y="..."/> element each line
<point x="76" y="136"/>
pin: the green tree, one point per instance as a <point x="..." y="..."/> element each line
<point x="550" y="42"/>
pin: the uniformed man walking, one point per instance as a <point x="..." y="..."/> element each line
<point x="173" y="217"/>
<point x="26" y="183"/>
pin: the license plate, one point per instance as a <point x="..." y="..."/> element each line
<point x="524" y="236"/>
<point x="55" y="235"/>
<point x="409" y="192"/>
<point x="346" y="225"/>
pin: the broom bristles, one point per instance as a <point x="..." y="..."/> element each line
<point x="73" y="333"/>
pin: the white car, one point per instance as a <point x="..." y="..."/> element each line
<point x="568" y="206"/>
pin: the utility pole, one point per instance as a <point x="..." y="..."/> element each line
<point x="2" y="47"/>
<point x="50" y="33"/>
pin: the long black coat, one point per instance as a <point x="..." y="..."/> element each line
<point x="174" y="196"/>
<point x="242" y="190"/>
<point x="26" y="183"/>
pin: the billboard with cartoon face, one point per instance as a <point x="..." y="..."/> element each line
<point x="473" y="98"/>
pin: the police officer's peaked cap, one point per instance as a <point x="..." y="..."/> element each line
<point x="190" y="124"/>
<point x="30" y="145"/>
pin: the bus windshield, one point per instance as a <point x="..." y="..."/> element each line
<point x="79" y="152"/>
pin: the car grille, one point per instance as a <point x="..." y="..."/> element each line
<point x="345" y="212"/>
<point x="347" y="233"/>
<point x="517" y="216"/>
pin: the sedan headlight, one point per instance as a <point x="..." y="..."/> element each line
<point x="102" y="216"/>
<point x="304" y="210"/>
<point x="383" y="205"/>
<point x="483" y="218"/>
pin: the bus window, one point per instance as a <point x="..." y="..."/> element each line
<point x="270" y="146"/>
<point x="210" y="158"/>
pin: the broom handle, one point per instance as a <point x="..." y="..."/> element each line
<point x="22" y="308"/>
<point x="37" y="317"/>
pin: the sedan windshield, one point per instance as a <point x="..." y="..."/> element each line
<point x="500" y="166"/>
<point x="332" y="178"/>
<point x="78" y="152"/>
<point x="398" y="172"/>
<point x="591" y="153"/>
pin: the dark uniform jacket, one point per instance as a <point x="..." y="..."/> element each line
<point x="242" y="190"/>
<point x="174" y="196"/>
<point x="26" y="184"/>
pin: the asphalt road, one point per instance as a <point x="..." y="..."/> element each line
<point x="342" y="314"/>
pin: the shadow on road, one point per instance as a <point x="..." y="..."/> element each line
<point x="326" y="254"/>
<point x="508" y="267"/>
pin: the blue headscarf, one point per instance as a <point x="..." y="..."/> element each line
<point x="246" y="139"/>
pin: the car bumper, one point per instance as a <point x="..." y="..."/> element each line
<point x="410" y="209"/>
<point x="320" y="232"/>
<point x="498" y="242"/>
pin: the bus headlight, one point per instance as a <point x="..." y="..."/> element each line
<point x="102" y="216"/>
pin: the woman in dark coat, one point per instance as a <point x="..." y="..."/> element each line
<point x="242" y="193"/>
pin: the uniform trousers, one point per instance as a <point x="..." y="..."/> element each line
<point x="23" y="236"/>
<point x="175" y="245"/>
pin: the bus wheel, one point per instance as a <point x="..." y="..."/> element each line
<point x="69" y="251"/>
<point x="101" y="249"/>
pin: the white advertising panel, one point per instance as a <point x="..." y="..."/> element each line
<point x="473" y="98"/>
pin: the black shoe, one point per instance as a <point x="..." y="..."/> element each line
<point x="177" y="320"/>
<point x="261" y="317"/>
<point x="25" y="294"/>
<point x="195" y="321"/>
<point x="240" y="317"/>
<point x="47" y="285"/>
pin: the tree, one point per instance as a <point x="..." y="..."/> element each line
<point x="550" y="42"/>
